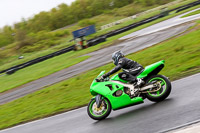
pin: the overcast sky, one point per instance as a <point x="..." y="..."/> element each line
<point x="11" y="11"/>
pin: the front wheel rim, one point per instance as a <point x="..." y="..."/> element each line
<point x="163" y="88"/>
<point x="96" y="113"/>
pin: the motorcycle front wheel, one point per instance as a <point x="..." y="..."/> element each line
<point x="99" y="113"/>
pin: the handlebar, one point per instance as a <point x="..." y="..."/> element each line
<point x="102" y="79"/>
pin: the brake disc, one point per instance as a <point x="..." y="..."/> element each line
<point x="98" y="110"/>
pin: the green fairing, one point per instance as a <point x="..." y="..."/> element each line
<point x="116" y="77"/>
<point x="123" y="100"/>
<point x="150" y="68"/>
<point x="116" y="102"/>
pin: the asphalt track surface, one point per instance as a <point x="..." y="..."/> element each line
<point x="101" y="57"/>
<point x="182" y="106"/>
<point x="163" y="25"/>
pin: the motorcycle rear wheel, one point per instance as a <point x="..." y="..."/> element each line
<point x="164" y="91"/>
<point x="99" y="113"/>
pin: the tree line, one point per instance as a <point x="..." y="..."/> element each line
<point x="61" y="16"/>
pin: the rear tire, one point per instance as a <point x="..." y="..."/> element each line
<point x="102" y="115"/>
<point x="163" y="93"/>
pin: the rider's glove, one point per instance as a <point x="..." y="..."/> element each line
<point x="104" y="76"/>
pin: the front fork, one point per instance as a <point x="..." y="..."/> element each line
<point x="98" y="100"/>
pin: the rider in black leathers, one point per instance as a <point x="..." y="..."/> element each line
<point x="130" y="68"/>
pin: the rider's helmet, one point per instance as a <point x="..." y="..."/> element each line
<point x="116" y="56"/>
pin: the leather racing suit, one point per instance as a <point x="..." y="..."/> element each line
<point x="130" y="69"/>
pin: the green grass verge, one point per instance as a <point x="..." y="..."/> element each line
<point x="182" y="59"/>
<point x="192" y="13"/>
<point x="39" y="70"/>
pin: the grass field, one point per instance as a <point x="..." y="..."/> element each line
<point x="192" y="13"/>
<point x="39" y="70"/>
<point x="182" y="59"/>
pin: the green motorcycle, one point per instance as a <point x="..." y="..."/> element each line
<point x="115" y="93"/>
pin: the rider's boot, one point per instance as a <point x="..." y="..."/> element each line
<point x="137" y="86"/>
<point x="139" y="82"/>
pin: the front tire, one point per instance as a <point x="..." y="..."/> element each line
<point x="99" y="113"/>
<point x="165" y="88"/>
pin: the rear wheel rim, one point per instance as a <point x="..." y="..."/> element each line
<point x="162" y="89"/>
<point x="103" y="112"/>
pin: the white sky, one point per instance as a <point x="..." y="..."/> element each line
<point x="12" y="11"/>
